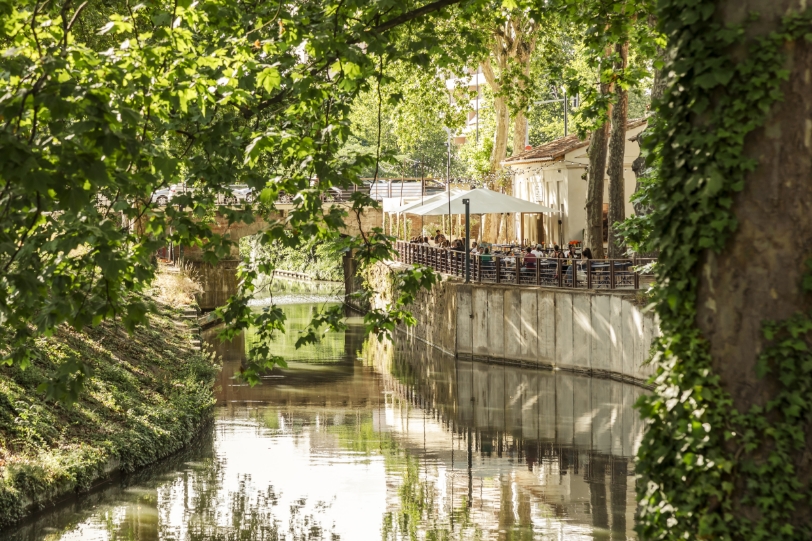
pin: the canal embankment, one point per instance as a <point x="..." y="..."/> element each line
<point x="596" y="332"/>
<point x="146" y="395"/>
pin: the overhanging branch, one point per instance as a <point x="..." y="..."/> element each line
<point x="411" y="15"/>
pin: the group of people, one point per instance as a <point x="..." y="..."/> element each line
<point x="440" y="241"/>
<point x="530" y="253"/>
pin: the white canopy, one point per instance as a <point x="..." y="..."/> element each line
<point x="482" y="202"/>
<point x="427" y="201"/>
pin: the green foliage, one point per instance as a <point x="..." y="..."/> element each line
<point x="104" y="103"/>
<point x="636" y="230"/>
<point x="320" y="259"/>
<point x="145" y="396"/>
<point x="701" y="462"/>
<point x="603" y="24"/>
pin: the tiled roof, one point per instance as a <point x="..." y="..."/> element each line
<point x="555" y="150"/>
<point x="550" y="151"/>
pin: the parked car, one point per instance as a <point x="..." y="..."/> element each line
<point x="179" y="189"/>
<point x="161" y="196"/>
<point x="239" y="193"/>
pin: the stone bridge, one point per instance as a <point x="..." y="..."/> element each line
<point x="220" y="281"/>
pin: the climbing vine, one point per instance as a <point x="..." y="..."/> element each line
<point x="702" y="462"/>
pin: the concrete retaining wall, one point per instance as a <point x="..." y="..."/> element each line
<point x="586" y="331"/>
<point x="582" y="331"/>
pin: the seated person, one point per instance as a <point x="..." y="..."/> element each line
<point x="529" y="260"/>
<point x="538" y="252"/>
<point x="486" y="259"/>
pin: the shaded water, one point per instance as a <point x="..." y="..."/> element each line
<point x="359" y="440"/>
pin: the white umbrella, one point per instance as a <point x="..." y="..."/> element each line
<point x="482" y="201"/>
<point x="429" y="200"/>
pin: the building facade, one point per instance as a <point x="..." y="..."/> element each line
<point x="554" y="175"/>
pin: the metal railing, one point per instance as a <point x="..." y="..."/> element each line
<point x="545" y="271"/>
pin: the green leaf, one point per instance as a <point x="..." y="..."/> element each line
<point x="269" y="79"/>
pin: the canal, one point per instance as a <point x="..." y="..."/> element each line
<point x="362" y="440"/>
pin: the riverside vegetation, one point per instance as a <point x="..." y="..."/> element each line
<point x="321" y="260"/>
<point x="143" y="397"/>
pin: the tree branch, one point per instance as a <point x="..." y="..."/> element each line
<point x="73" y="19"/>
<point x="414" y="14"/>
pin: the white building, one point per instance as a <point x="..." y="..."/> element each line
<point x="554" y="175"/>
<point x="476" y="83"/>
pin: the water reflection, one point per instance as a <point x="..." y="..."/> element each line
<point x="362" y="440"/>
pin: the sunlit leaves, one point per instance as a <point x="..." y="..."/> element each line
<point x="202" y="95"/>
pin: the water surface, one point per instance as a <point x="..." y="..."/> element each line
<point x="361" y="440"/>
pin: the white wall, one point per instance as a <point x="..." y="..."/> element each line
<point x="575" y="220"/>
<point x="571" y="193"/>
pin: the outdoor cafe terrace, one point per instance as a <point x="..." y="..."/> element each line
<point x="500" y="267"/>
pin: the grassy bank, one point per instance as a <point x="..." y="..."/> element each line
<point x="146" y="396"/>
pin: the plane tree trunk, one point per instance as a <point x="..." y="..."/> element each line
<point x="593" y="232"/>
<point x="719" y="290"/>
<point x="617" y="151"/>
<point x="758" y="276"/>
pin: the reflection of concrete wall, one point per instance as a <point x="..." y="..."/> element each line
<point x="565" y="409"/>
<point x="593" y="332"/>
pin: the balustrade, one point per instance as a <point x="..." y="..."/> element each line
<point x="520" y="270"/>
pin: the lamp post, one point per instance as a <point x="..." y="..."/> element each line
<point x="448" y="179"/>
<point x="566" y="105"/>
<point x="467" y="203"/>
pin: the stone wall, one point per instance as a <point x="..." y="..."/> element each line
<point x="588" y="331"/>
<point x="219" y="282"/>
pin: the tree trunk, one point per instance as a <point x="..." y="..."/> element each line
<point x="524" y="51"/>
<point x="500" y="137"/>
<point x="758" y="275"/>
<point x="617" y="151"/>
<point x="641" y="171"/>
<point x="593" y="233"/>
<point x="502" y="117"/>
<point x="714" y="301"/>
<point x="502" y="236"/>
<point x="519" y="132"/>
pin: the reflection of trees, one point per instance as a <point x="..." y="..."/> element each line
<point x="357" y="434"/>
<point x="417" y="516"/>
<point x="330" y="349"/>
